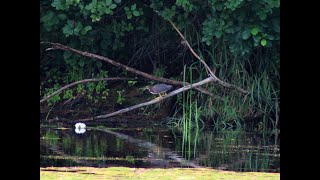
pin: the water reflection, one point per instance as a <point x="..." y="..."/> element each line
<point x="158" y="146"/>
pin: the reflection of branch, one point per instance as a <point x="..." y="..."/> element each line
<point x="154" y="149"/>
<point x="225" y="84"/>
<point x="56" y="149"/>
<point x="80" y="82"/>
<point x="184" y="88"/>
<point x="146" y="75"/>
<point x="226" y="166"/>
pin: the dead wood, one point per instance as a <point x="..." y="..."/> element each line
<point x="184" y="88"/>
<point x="117" y="64"/>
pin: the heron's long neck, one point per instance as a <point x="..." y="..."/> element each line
<point x="151" y="91"/>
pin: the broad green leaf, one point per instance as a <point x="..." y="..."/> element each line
<point x="129" y="16"/>
<point x="93" y="16"/>
<point x="55" y="3"/>
<point x="263" y="42"/>
<point x="107" y="11"/>
<point x="88" y="28"/>
<point x="204" y="39"/>
<point x="108" y="2"/>
<point x="254" y="31"/>
<point x="62" y="16"/>
<point x="218" y="34"/>
<point x="246" y="34"/>
<point x="98" y="18"/>
<point x="112" y="6"/>
<point x="133" y="7"/>
<point x="94" y="2"/>
<point x="117" y="1"/>
<point x="78" y="28"/>
<point x="257" y="38"/>
<point x="88" y="7"/>
<point x="70" y="22"/>
<point x="83" y="32"/>
<point x="136" y="13"/>
<point x="67" y="31"/>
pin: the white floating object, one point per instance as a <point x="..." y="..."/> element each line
<point x="80" y="126"/>
<point x="80" y="131"/>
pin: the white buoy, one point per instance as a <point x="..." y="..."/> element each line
<point x="80" y="128"/>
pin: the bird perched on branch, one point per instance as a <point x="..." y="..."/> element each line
<point x="159" y="89"/>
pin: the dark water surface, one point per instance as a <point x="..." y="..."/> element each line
<point x="159" y="146"/>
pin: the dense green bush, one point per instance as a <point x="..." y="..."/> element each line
<point x="238" y="38"/>
<point x="106" y="26"/>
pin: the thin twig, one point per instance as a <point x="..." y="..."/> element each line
<point x="192" y="51"/>
<point x="216" y="79"/>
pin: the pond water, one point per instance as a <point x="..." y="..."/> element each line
<point x="159" y="146"/>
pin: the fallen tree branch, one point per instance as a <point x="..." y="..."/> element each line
<point x="81" y="82"/>
<point x="117" y="64"/>
<point x="184" y="88"/>
<point x="216" y="79"/>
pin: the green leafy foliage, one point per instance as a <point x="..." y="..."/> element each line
<point x="68" y="94"/>
<point x="120" y="97"/>
<point x="185" y="4"/>
<point x="168" y="13"/>
<point x="246" y="34"/>
<point x="254" y="31"/>
<point x="263" y="42"/>
<point x="64" y="4"/>
<point x="133" y="11"/>
<point x="131" y="31"/>
<point x="132" y="83"/>
<point x="49" y="91"/>
<point x="100" y="8"/>
<point x="241" y="24"/>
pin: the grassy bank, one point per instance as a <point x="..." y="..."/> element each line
<point x="75" y="173"/>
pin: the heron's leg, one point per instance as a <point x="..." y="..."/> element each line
<point x="159" y="96"/>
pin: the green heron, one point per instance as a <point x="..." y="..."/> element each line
<point x="159" y="89"/>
